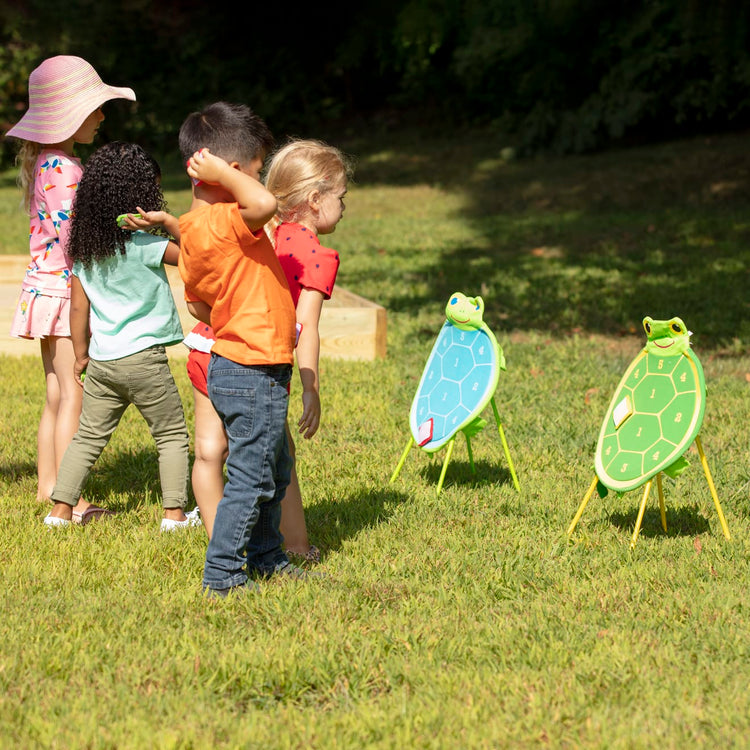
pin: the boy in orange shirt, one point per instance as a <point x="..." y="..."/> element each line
<point x="234" y="281"/>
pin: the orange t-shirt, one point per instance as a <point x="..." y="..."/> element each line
<point x="239" y="276"/>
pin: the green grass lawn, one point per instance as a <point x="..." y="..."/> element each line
<point x="464" y="620"/>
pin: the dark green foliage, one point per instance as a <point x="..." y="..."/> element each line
<point x="565" y="75"/>
<point x="17" y="58"/>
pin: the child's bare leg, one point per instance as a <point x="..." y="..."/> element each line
<point x="174" y="514"/>
<point x="70" y="400"/>
<point x="292" y="526"/>
<point x="62" y="510"/>
<point x="210" y="455"/>
<point x="46" y="465"/>
<point x="71" y="394"/>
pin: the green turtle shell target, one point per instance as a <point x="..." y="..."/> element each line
<point x="656" y="411"/>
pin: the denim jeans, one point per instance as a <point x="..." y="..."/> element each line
<point x="252" y="402"/>
<point x="143" y="379"/>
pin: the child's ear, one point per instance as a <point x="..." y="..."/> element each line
<point x="313" y="199"/>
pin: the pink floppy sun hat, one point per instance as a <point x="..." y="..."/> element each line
<point x="63" y="92"/>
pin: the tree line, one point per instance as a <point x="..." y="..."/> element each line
<point x="563" y="75"/>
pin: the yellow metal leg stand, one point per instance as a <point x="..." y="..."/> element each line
<point x="711" y="487"/>
<point x="471" y="455"/>
<point x="505" y="446"/>
<point x="402" y="460"/>
<point x="448" y="454"/>
<point x="641" y="510"/>
<point x="449" y="451"/>
<point x="583" y="504"/>
<point x="662" y="509"/>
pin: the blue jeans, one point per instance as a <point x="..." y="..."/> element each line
<point x="252" y="402"/>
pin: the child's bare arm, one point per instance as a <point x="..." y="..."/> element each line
<point x="257" y="205"/>
<point x="147" y="219"/>
<point x="309" y="306"/>
<point x="200" y="310"/>
<point x="79" y="327"/>
<point x="171" y="254"/>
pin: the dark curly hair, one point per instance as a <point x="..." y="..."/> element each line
<point x="116" y="179"/>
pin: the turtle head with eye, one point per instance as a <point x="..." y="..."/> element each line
<point x="465" y="312"/>
<point x="667" y="338"/>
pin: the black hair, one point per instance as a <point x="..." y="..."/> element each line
<point x="232" y="131"/>
<point x="116" y="179"/>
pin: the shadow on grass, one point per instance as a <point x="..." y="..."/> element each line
<point x="13" y="471"/>
<point x="459" y="473"/>
<point x="338" y="520"/>
<point x="684" y="521"/>
<point x="132" y="476"/>
<point x="587" y="243"/>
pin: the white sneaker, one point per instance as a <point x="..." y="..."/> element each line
<point x="53" y="521"/>
<point x="193" y="518"/>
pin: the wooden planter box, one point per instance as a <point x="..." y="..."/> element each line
<point x="351" y="327"/>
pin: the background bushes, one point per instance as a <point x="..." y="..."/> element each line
<point x="561" y="75"/>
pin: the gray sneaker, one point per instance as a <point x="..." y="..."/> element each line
<point x="289" y="570"/>
<point x="311" y="557"/>
<point x="249" y="587"/>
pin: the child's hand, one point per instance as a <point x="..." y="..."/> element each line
<point x="145" y="219"/>
<point x="79" y="369"/>
<point x="310" y="419"/>
<point x="206" y="167"/>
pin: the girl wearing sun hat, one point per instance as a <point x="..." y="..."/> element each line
<point x="65" y="99"/>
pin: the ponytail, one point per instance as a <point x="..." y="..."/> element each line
<point x="26" y="161"/>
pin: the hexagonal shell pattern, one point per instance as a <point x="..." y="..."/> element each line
<point x="654" y="416"/>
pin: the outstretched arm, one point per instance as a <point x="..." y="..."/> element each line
<point x="148" y="219"/>
<point x="257" y="205"/>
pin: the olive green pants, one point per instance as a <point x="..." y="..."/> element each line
<point x="144" y="380"/>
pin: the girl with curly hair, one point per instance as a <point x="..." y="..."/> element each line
<point x="121" y="319"/>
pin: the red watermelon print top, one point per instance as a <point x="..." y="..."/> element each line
<point x="306" y="263"/>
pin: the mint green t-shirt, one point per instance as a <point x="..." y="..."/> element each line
<point x="132" y="307"/>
